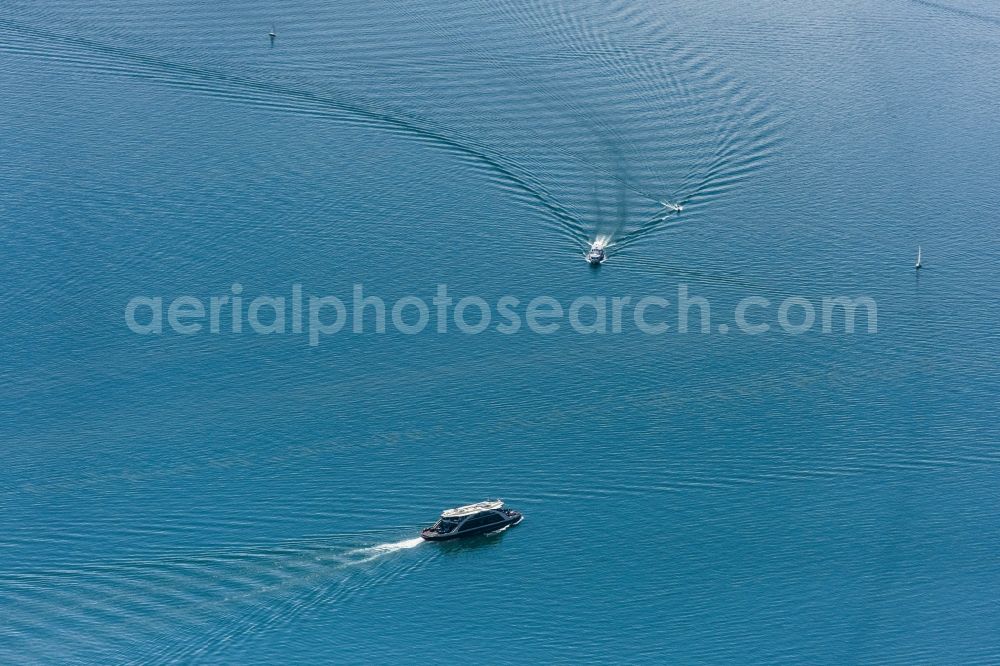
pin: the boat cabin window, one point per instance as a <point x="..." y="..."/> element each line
<point x="479" y="521"/>
<point x="447" y="525"/>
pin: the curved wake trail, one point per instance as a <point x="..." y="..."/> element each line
<point x="106" y="59"/>
<point x="671" y="125"/>
<point x="185" y="607"/>
<point x="702" y="131"/>
<point x="959" y="11"/>
<point x="297" y="600"/>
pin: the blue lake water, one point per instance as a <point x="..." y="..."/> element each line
<point x="691" y="498"/>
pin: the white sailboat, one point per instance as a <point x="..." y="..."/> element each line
<point x="919" y="263"/>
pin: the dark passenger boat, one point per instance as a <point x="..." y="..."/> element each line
<point x="480" y="518"/>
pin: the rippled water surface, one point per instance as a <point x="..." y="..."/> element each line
<point x="689" y="498"/>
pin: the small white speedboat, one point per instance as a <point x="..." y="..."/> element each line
<point x="596" y="255"/>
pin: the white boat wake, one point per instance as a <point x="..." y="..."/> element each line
<point x="601" y="242"/>
<point x="369" y="553"/>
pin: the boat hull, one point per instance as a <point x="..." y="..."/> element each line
<point x="514" y="519"/>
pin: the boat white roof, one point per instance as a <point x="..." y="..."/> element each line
<point x="469" y="509"/>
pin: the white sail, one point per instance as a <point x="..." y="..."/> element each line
<point x="918" y="257"/>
